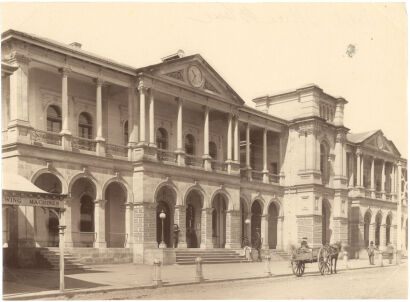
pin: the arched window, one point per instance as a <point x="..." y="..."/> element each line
<point x="125" y="131"/>
<point x="213" y="150"/>
<point x="85" y="125"/>
<point x="189" y="144"/>
<point x="86" y="214"/>
<point x="162" y="138"/>
<point x="53" y="119"/>
<point x="324" y="166"/>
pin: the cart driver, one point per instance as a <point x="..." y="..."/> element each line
<point x="304" y="244"/>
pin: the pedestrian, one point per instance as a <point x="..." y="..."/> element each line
<point x="370" y="252"/>
<point x="176" y="235"/>
<point x="258" y="245"/>
<point x="247" y="248"/>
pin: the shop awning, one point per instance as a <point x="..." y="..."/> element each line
<point x="18" y="191"/>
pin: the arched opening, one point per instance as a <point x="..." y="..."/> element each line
<point x="166" y="199"/>
<point x="47" y="232"/>
<point x="366" y="228"/>
<point x="162" y="138"/>
<point x="244" y="226"/>
<point x="213" y="150"/>
<point x="273" y="226"/>
<point x="407" y="234"/>
<point x="53" y="118"/>
<point x="324" y="167"/>
<point x="82" y="212"/>
<point x="377" y="229"/>
<point x="220" y="205"/>
<point x="115" y="232"/>
<point x="388" y="226"/>
<point x="193" y="219"/>
<point x="189" y="144"/>
<point x="326" y="234"/>
<point x="256" y="218"/>
<point x="85" y="126"/>
<point x="125" y="132"/>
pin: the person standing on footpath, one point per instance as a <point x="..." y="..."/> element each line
<point x="176" y="235"/>
<point x="258" y="245"/>
<point x="370" y="252"/>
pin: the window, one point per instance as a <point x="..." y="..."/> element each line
<point x="189" y="144"/>
<point x="85" y="126"/>
<point x="86" y="214"/>
<point x="213" y="151"/>
<point x="324" y="167"/>
<point x="162" y="138"/>
<point x="125" y="131"/>
<point x="53" y="119"/>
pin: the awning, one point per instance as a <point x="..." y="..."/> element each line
<point x="18" y="191"/>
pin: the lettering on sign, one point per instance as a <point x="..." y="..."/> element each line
<point x="32" y="201"/>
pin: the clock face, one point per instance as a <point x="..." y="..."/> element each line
<point x="195" y="76"/>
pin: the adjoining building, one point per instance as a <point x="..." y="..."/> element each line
<point x="127" y="144"/>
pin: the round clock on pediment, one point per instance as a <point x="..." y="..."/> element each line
<point x="195" y="76"/>
<point x="379" y="142"/>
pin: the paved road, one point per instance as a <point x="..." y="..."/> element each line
<point x="375" y="283"/>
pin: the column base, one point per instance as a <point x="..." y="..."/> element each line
<point x="100" y="244"/>
<point x="207" y="162"/>
<point x="180" y="157"/>
<point x="182" y="245"/>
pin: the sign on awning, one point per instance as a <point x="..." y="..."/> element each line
<point x="16" y="198"/>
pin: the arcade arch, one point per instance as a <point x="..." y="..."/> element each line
<point x="115" y="231"/>
<point x="166" y="201"/>
<point x="194" y="202"/>
<point x="219" y="206"/>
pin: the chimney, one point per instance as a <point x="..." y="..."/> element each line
<point x="76" y="45"/>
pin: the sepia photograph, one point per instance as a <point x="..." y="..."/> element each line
<point x="204" y="151"/>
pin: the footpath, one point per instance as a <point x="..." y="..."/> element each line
<point x="30" y="284"/>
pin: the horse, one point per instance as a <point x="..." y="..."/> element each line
<point x="333" y="251"/>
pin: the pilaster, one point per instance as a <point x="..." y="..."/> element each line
<point x="99" y="223"/>
<point x="206" y="228"/>
<point x="233" y="229"/>
<point x="180" y="220"/>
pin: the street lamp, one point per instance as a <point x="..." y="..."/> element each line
<point x="162" y="216"/>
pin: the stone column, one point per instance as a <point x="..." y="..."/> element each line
<point x="129" y="207"/>
<point x="206" y="228"/>
<point x="142" y="91"/>
<point x="99" y="138"/>
<point x="99" y="223"/>
<point x="236" y="140"/>
<point x="265" y="156"/>
<point x="248" y="147"/>
<point x="68" y="223"/>
<point x="358" y="153"/>
<point x="19" y="91"/>
<point x="362" y="171"/>
<point x="180" y="149"/>
<point x="351" y="170"/>
<point x="233" y="229"/>
<point x="393" y="180"/>
<point x="229" y="139"/>
<point x="151" y="119"/>
<point x="144" y="229"/>
<point x="65" y="129"/>
<point x="399" y="210"/>
<point x="372" y="188"/>
<point x="265" y="231"/>
<point x="132" y="121"/>
<point x="384" y="180"/>
<point x="206" y="157"/>
<point x="180" y="219"/>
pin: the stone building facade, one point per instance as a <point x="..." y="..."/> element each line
<point x="127" y="144"/>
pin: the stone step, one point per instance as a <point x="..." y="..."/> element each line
<point x="211" y="262"/>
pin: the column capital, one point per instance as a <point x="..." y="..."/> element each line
<point x="359" y="152"/>
<point x="205" y="108"/>
<point x="99" y="82"/>
<point x="65" y="71"/>
<point x="18" y="58"/>
<point x="179" y="100"/>
<point x="100" y="202"/>
<point x="141" y="87"/>
<point x="129" y="205"/>
<point x="180" y="207"/>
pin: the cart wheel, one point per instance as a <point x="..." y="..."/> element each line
<point x="298" y="268"/>
<point x="323" y="261"/>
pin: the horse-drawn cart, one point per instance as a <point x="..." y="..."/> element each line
<point x="301" y="256"/>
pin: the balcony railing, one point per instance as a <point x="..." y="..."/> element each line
<point x="273" y="178"/>
<point x="378" y="195"/>
<point x="116" y="150"/>
<point x="166" y="156"/>
<point x="39" y="137"/>
<point x="217" y="165"/>
<point x="244" y="173"/>
<point x="194" y="161"/>
<point x="367" y="193"/>
<point x="389" y="196"/>
<point x="257" y="175"/>
<point x="83" y="143"/>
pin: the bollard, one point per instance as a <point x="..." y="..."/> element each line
<point x="157" y="273"/>
<point x="380" y="256"/>
<point x="268" y="271"/>
<point x="346" y="260"/>
<point x="199" y="277"/>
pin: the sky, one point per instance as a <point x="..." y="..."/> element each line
<point x="258" y="48"/>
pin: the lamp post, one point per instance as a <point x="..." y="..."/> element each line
<point x="162" y="216"/>
<point x="247" y="223"/>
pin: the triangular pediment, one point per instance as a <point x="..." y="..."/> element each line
<point x="379" y="142"/>
<point x="195" y="73"/>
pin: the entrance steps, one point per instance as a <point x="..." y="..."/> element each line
<point x="277" y="255"/>
<point x="79" y="258"/>
<point x="188" y="256"/>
